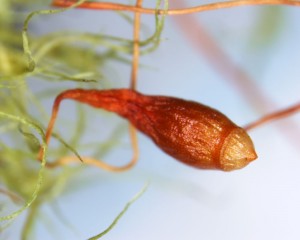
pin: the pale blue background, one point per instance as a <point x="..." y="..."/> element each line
<point x="261" y="201"/>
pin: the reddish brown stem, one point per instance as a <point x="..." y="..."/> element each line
<point x="274" y="116"/>
<point x="91" y="97"/>
<point x="201" y="8"/>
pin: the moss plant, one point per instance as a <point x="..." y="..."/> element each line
<point x="26" y="59"/>
<point x="53" y="58"/>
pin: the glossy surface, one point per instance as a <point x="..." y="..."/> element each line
<point x="192" y="133"/>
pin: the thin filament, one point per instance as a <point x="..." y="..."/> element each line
<point x="132" y="130"/>
<point x="99" y="163"/>
<point x="200" y="8"/>
<point x="136" y="47"/>
<point x="13" y="196"/>
<point x="273" y="116"/>
<point x="90" y="161"/>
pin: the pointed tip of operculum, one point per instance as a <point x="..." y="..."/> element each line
<point x="237" y="151"/>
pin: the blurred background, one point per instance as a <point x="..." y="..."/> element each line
<point x="242" y="61"/>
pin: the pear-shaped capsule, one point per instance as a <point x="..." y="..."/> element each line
<point x="190" y="132"/>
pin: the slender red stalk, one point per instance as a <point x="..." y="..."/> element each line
<point x="200" y="8"/>
<point x="274" y="116"/>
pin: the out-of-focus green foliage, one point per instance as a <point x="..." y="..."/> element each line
<point x="270" y="23"/>
<point x="56" y="57"/>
